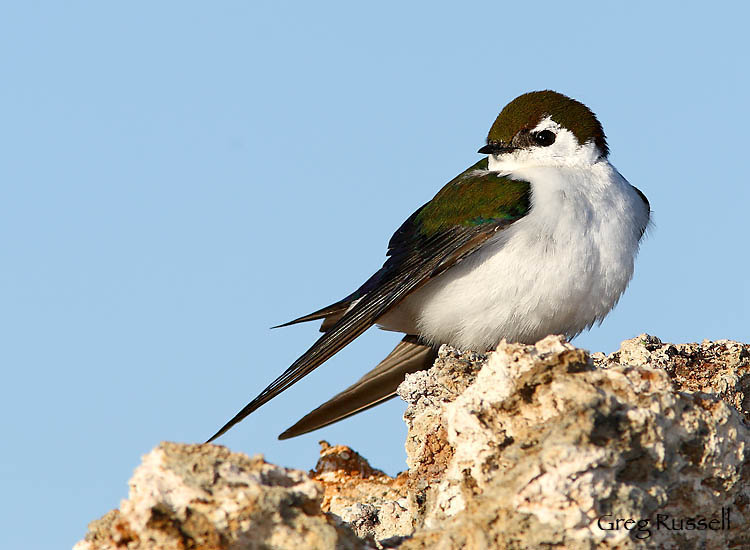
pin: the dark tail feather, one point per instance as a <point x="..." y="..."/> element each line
<point x="373" y="388"/>
<point x="338" y="309"/>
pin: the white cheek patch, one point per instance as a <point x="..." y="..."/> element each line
<point x="565" y="143"/>
<point x="565" y="151"/>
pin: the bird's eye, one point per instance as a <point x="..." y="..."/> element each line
<point x="544" y="138"/>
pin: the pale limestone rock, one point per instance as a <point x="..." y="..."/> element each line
<point x="543" y="445"/>
<point x="721" y="367"/>
<point x="204" y="496"/>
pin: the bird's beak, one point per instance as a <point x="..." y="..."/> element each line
<point x="495" y="149"/>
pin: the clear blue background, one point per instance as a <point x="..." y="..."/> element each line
<point x="176" y="177"/>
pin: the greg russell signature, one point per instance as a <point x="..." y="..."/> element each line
<point x="643" y="528"/>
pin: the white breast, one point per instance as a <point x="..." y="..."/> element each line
<point x="558" y="270"/>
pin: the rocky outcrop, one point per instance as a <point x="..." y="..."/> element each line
<point x="206" y="497"/>
<point x="547" y="448"/>
<point x="528" y="447"/>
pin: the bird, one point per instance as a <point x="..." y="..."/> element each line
<point x="539" y="237"/>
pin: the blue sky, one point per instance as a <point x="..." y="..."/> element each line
<point x="178" y="177"/>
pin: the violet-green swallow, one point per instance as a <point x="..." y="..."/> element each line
<point x="537" y="238"/>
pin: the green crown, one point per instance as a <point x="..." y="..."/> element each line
<point x="528" y="110"/>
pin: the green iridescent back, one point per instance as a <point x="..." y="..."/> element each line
<point x="475" y="197"/>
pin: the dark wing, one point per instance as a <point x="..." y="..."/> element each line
<point x="373" y="388"/>
<point x="404" y="272"/>
<point x="329" y="314"/>
<point x="648" y="209"/>
<point x="422" y="248"/>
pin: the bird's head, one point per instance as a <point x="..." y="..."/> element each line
<point x="544" y="129"/>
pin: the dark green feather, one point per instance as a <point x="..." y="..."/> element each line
<point x="475" y="197"/>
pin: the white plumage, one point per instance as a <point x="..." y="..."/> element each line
<point x="558" y="270"/>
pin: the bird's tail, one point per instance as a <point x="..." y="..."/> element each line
<point x="373" y="388"/>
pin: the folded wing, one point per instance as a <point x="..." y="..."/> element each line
<point x="437" y="236"/>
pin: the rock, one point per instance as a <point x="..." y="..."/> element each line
<point x="538" y="446"/>
<point x="204" y="496"/>
<point x="546" y="450"/>
<point x="721" y="367"/>
<point x="371" y="502"/>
